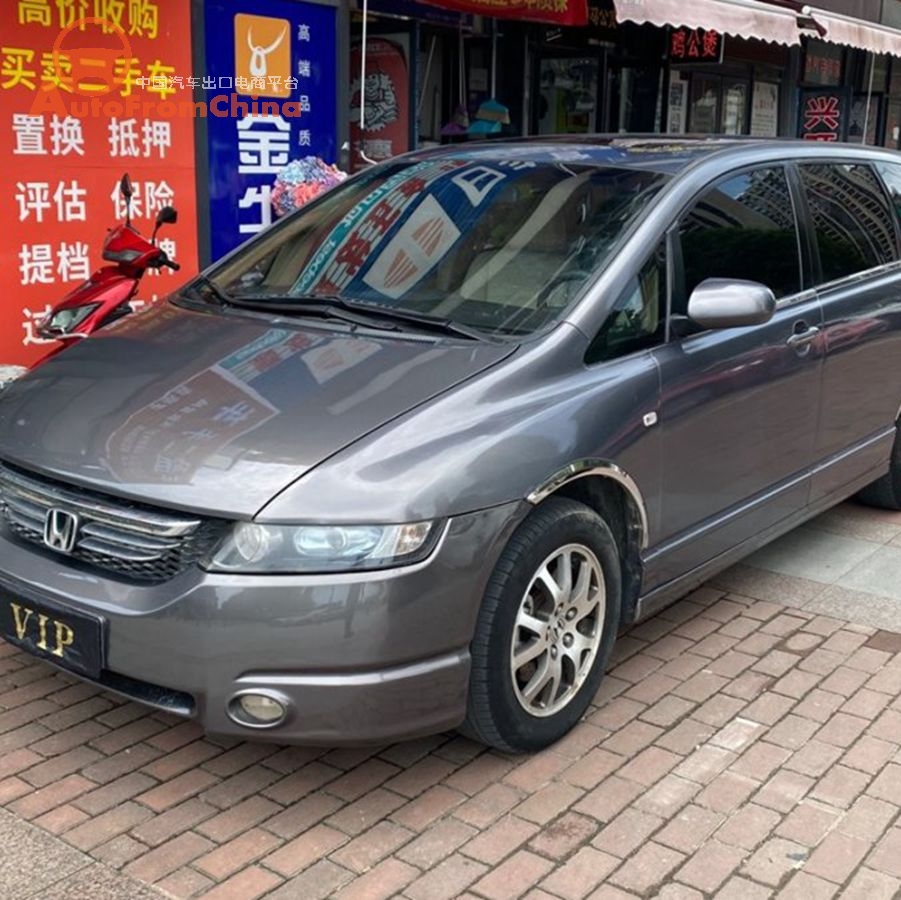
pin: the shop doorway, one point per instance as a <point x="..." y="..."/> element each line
<point x="635" y="93"/>
<point x="567" y="99"/>
<point x="718" y="104"/>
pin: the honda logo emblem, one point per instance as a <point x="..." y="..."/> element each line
<point x="61" y="530"/>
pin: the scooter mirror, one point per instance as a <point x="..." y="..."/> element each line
<point x="168" y="215"/>
<point x="125" y="187"/>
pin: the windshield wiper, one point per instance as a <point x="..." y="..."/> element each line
<point x="330" y="305"/>
<point x="318" y="306"/>
<point x="205" y="284"/>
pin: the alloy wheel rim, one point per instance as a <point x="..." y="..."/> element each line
<point x="558" y="630"/>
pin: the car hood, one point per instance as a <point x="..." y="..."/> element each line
<point x="218" y="412"/>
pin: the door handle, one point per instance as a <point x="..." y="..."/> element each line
<point x="801" y="341"/>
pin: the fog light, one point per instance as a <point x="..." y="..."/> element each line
<point x="257" y="709"/>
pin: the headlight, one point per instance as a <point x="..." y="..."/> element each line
<point x="323" y="548"/>
<point x="65" y="321"/>
<point x="121" y="255"/>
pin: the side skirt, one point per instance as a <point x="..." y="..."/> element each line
<point x="661" y="597"/>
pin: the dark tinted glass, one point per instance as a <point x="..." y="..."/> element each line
<point x="743" y="228"/>
<point x="891" y="177"/>
<point x="852" y="219"/>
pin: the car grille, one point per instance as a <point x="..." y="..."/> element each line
<point x="136" y="542"/>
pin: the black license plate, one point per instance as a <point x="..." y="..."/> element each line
<point x="70" y="639"/>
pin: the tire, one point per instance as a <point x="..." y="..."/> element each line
<point x="885" y="492"/>
<point x="506" y="710"/>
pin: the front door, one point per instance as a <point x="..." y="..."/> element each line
<point x="739" y="406"/>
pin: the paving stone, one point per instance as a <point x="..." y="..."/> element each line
<point x="775" y="859"/>
<point x="886" y="858"/>
<point x="870" y="885"/>
<point x="837" y="857"/>
<point x="804" y="886"/>
<point x="748" y="827"/>
<point x="648" y="868"/>
<point x="710" y="866"/>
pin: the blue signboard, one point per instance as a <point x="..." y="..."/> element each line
<point x="273" y="66"/>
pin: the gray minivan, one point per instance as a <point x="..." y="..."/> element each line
<point x="411" y="459"/>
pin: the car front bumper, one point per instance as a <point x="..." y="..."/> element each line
<point x="356" y="658"/>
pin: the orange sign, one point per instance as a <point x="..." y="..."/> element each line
<point x="79" y="106"/>
<point x="263" y="54"/>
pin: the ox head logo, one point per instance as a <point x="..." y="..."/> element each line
<point x="263" y="54"/>
<point x="259" y="56"/>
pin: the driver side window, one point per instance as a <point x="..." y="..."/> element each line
<point x="637" y="320"/>
<point x="742" y="228"/>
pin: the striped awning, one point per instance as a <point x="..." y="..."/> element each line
<point x="850" y="32"/>
<point x="740" y="18"/>
<point x="763" y="21"/>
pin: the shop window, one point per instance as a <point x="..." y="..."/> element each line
<point x="705" y="104"/>
<point x="636" y="99"/>
<point x="733" y="227"/>
<point x="823" y="63"/>
<point x="893" y="106"/>
<point x="567" y="95"/>
<point x="852" y="219"/>
<point x="765" y="109"/>
<point x="735" y="107"/>
<point x="638" y="318"/>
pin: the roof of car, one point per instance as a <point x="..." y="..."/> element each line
<point x="658" y="153"/>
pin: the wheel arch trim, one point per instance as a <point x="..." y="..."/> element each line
<point x="602" y="468"/>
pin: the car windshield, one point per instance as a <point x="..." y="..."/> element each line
<point x="502" y="247"/>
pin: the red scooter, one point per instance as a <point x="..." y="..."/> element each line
<point x="105" y="297"/>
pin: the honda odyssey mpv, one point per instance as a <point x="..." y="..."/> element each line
<point x="411" y="459"/>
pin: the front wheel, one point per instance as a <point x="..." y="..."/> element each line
<point x="545" y="629"/>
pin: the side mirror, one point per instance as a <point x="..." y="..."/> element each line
<point x="168" y="215"/>
<point x="730" y="303"/>
<point x="127" y="191"/>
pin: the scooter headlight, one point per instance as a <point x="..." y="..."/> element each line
<point x="65" y="321"/>
<point x="125" y="256"/>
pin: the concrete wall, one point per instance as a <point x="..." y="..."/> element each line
<point x="891" y="13"/>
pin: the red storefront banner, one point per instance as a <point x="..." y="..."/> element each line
<point x="387" y="115"/>
<point x="67" y="134"/>
<point x="554" y="12"/>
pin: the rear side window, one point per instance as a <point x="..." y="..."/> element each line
<point x="738" y="223"/>
<point x="891" y="177"/>
<point x="852" y="219"/>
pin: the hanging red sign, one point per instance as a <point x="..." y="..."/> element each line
<point x="555" y="12"/>
<point x="83" y="100"/>
<point x="383" y="104"/>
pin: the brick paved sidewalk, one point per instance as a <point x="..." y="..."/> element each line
<point x="738" y="748"/>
